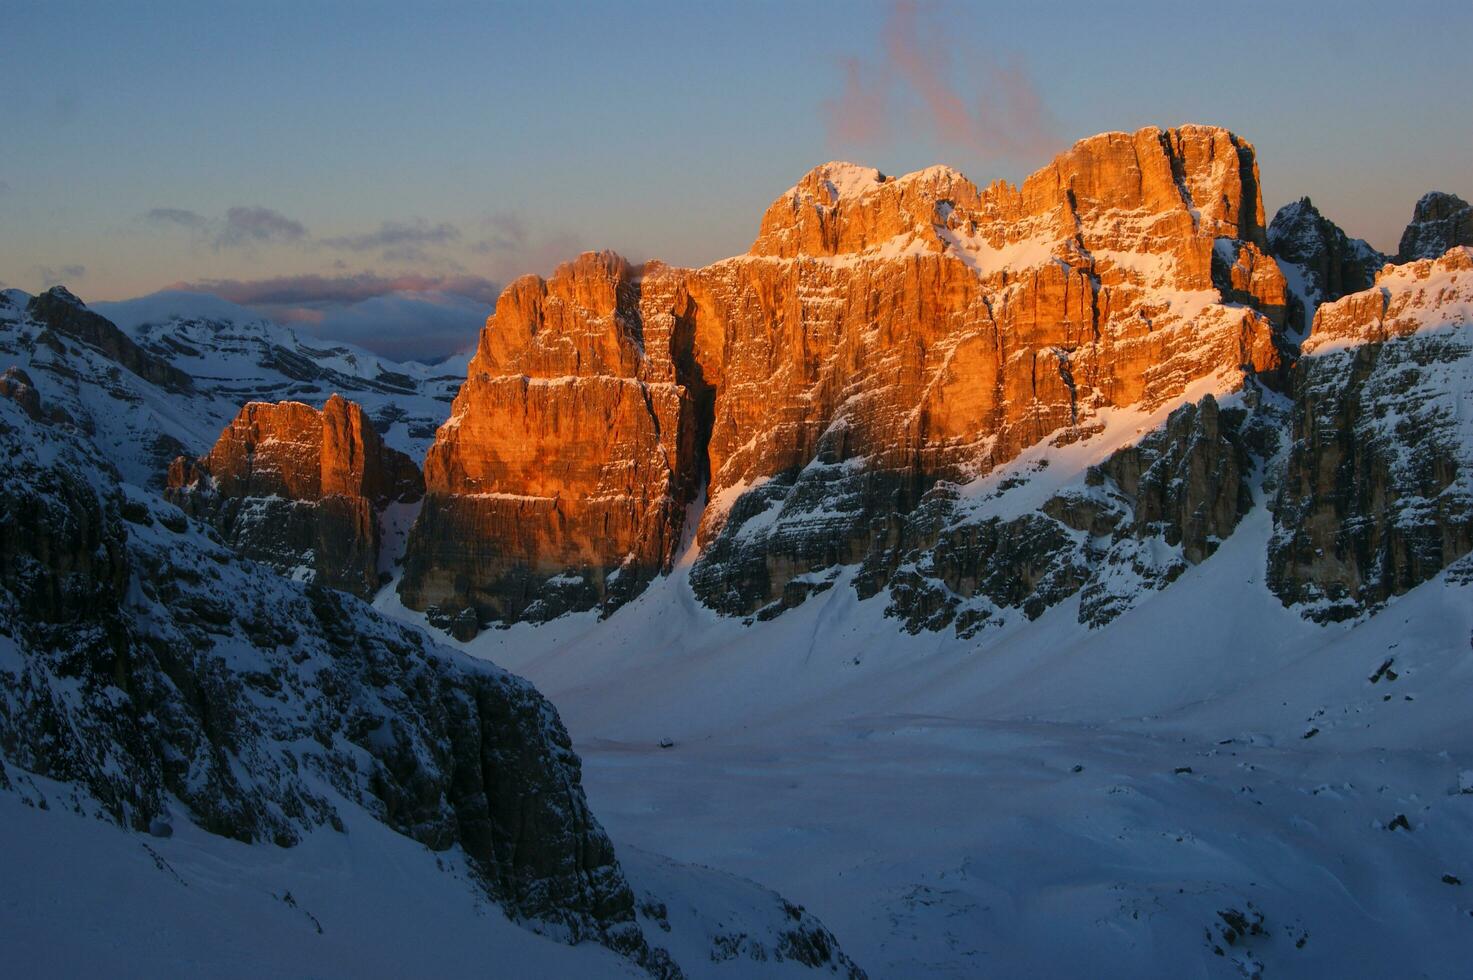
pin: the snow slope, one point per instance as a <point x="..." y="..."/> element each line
<point x="1047" y="799"/>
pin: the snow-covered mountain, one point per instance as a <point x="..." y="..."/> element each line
<point x="238" y="356"/>
<point x="224" y="356"/>
<point x="1071" y="579"/>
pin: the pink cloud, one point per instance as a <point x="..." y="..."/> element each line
<point x="1006" y="117"/>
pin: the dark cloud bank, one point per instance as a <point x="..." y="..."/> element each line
<point x="405" y="317"/>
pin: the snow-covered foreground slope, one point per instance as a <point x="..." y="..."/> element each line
<point x="306" y="786"/>
<point x="88" y="899"/>
<point x="83" y="898"/>
<point x="1047" y="799"/>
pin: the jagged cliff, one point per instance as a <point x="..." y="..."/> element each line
<point x="1377" y="493"/>
<point x="839" y="396"/>
<point x="301" y="490"/>
<point x="1320" y="261"/>
<point x="882" y="335"/>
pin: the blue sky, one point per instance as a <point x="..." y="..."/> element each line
<point x="437" y="146"/>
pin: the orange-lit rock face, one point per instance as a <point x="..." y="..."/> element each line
<point x="300" y="490"/>
<point x="292" y="450"/>
<point x="570" y="450"/>
<point x="882" y="334"/>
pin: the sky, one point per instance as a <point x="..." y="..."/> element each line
<point x="376" y="172"/>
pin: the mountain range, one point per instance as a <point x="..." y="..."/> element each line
<point x="1104" y="533"/>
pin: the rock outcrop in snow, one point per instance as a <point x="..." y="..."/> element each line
<point x="1128" y="525"/>
<point x="63" y="314"/>
<point x="301" y="490"/>
<point x="883" y="336"/>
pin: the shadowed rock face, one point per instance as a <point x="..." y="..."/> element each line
<point x="300" y="490"/>
<point x="1439" y="222"/>
<point x="63" y="313"/>
<point x="881" y="334"/>
<point x="1141" y="517"/>
<point x="1377" y="495"/>
<point x="157" y="678"/>
<point x="1331" y="263"/>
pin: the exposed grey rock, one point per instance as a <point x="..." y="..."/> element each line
<point x="1376" y="496"/>
<point x="1439" y="222"/>
<point x="1184" y="487"/>
<point x="1331" y="263"/>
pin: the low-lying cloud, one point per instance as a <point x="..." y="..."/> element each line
<point x="308" y="289"/>
<point x="999" y="112"/>
<point x="424" y="315"/>
<point x="405" y="317"/>
<point x="408" y="326"/>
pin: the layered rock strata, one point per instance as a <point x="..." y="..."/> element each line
<point x="62" y="313"/>
<point x="301" y="490"/>
<point x="881" y="336"/>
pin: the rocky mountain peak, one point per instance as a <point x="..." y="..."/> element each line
<point x="841" y="208"/>
<point x="63" y="295"/>
<point x="828" y="183"/>
<point x="300" y="490"/>
<point x="60" y="311"/>
<point x="535" y="318"/>
<point x="1327" y="264"/>
<point x="1439" y="221"/>
<point x="1205" y="171"/>
<point x="882" y="335"/>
